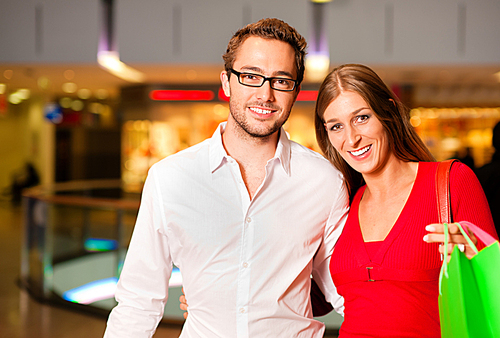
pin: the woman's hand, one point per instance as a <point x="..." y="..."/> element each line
<point x="436" y="235"/>
<point x="183" y="305"/>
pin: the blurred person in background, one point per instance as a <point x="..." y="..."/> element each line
<point x="489" y="176"/>
<point x="24" y="178"/>
<point x="247" y="215"/>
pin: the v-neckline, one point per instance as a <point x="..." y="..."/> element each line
<point x="407" y="210"/>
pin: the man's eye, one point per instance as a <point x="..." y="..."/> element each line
<point x="249" y="77"/>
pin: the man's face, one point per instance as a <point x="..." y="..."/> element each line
<point x="260" y="111"/>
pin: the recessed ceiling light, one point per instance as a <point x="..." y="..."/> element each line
<point x="43" y="82"/>
<point x="77" y="105"/>
<point x="8" y="74"/>
<point x="65" y="102"/>
<point x="69" y="74"/>
<point x="24" y="94"/>
<point x="497" y="75"/>
<point x="84" y="93"/>
<point x="102" y="94"/>
<point x="69" y="87"/>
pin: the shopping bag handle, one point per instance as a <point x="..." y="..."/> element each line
<point x="482" y="235"/>
<point x="444" y="267"/>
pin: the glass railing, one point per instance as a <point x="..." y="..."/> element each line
<point x="75" y="239"/>
<point x="76" y="235"/>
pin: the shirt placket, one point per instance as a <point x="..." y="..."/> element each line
<point x="244" y="269"/>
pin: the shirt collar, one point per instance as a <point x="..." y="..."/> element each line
<point x="283" y="151"/>
<point x="218" y="155"/>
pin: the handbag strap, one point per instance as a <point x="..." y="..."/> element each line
<point x="443" y="191"/>
<point x="444" y="208"/>
<point x="443" y="205"/>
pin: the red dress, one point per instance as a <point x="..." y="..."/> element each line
<point x="390" y="287"/>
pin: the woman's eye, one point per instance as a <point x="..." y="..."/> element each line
<point x="362" y="118"/>
<point x="335" y="127"/>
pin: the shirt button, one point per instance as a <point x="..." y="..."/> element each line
<point x="245" y="265"/>
<point x="242" y="310"/>
<point x="249" y="219"/>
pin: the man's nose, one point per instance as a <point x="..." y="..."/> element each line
<point x="265" y="92"/>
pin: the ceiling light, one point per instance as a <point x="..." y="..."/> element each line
<point x="69" y="74"/>
<point x="317" y="66"/>
<point x="43" y="82"/>
<point x="65" y="102"/>
<point x="102" y="94"/>
<point x="24" y="94"/>
<point x="14" y="98"/>
<point x="111" y="62"/>
<point x="84" y="93"/>
<point x="8" y="74"/>
<point x="69" y="87"/>
<point x="19" y="95"/>
<point x="497" y="75"/>
<point x="77" y="105"/>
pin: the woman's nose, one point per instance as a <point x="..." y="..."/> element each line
<point x="352" y="136"/>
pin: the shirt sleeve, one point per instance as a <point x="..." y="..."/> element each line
<point x="468" y="201"/>
<point x="142" y="289"/>
<point x="321" y="263"/>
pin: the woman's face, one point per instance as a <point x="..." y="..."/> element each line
<point x="356" y="133"/>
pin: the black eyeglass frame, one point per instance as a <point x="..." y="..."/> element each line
<point x="238" y="75"/>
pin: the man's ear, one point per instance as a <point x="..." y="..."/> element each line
<point x="297" y="91"/>
<point x="224" y="79"/>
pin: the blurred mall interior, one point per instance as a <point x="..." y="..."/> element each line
<point x="92" y="93"/>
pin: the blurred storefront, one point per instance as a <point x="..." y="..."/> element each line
<point x="160" y="120"/>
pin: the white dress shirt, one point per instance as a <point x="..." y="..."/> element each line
<point x="245" y="264"/>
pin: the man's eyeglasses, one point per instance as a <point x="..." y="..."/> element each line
<point x="256" y="80"/>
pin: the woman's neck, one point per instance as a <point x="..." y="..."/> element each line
<point x="395" y="178"/>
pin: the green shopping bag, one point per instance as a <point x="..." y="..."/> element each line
<point x="469" y="290"/>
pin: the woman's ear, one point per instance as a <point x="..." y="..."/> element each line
<point x="394" y="103"/>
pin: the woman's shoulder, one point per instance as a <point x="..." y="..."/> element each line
<point x="457" y="168"/>
<point x="460" y="170"/>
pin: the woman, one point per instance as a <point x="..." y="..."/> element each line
<point x="386" y="273"/>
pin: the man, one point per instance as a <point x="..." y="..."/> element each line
<point x="246" y="215"/>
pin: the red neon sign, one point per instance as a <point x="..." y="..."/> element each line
<point x="181" y="95"/>
<point x="307" y="95"/>
<point x="222" y="95"/>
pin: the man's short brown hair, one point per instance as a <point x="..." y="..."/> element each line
<point x="269" y="29"/>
